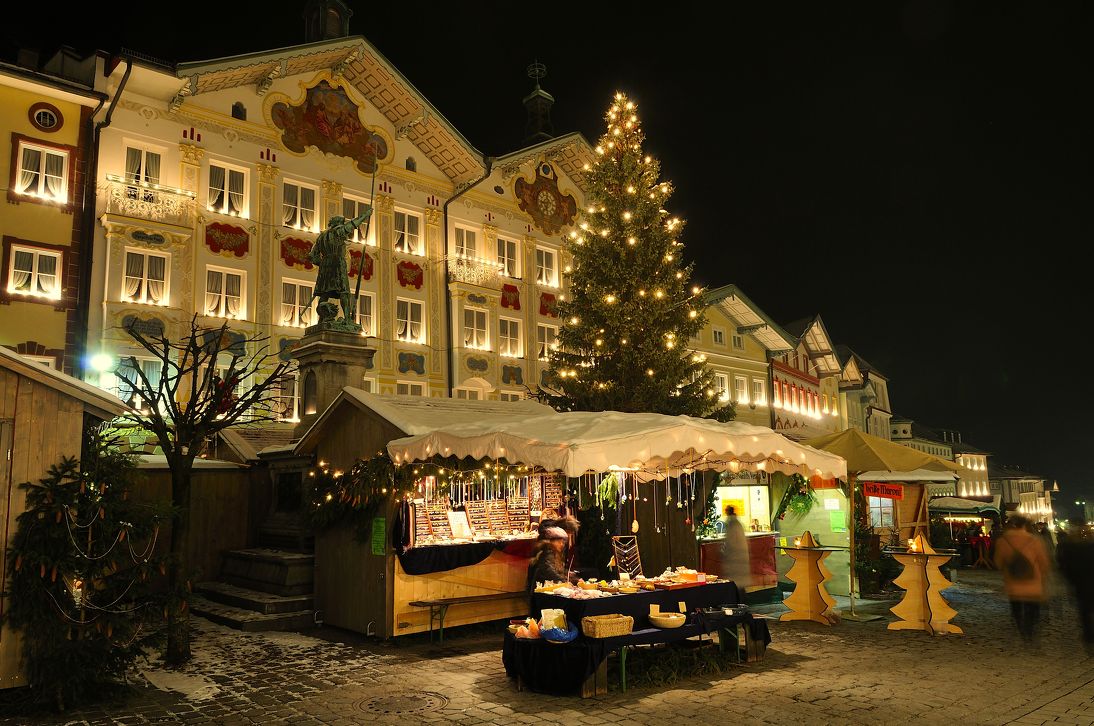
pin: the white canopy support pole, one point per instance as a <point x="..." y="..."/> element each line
<point x="852" y="615"/>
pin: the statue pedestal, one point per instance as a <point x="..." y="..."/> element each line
<point x="328" y="359"/>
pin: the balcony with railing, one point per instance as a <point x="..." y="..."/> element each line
<point x="473" y="271"/>
<point x="152" y="202"/>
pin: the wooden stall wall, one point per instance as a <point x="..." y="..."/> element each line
<point x="226" y="508"/>
<point x="351" y="584"/>
<point x="40" y="425"/>
<point x="675" y="544"/>
<point x="353" y="587"/>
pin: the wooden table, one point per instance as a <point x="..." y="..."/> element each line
<point x="923" y="607"/>
<point x="810" y="599"/>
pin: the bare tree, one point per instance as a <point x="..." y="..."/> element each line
<point x="193" y="399"/>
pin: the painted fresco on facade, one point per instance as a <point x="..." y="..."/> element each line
<point x="328" y="120"/>
<point x="542" y="200"/>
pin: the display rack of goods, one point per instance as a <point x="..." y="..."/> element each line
<point x="477" y="517"/>
<point x="438" y="521"/>
<point x="552" y="493"/>
<point x="519" y="516"/>
<point x="422" y="530"/>
<point x="499" y="517"/>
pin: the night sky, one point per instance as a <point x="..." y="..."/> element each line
<point x="917" y="173"/>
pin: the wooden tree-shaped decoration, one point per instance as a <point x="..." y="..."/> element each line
<point x="810" y="599"/>
<point x="923" y="607"/>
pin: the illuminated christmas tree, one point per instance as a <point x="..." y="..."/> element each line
<point x="632" y="308"/>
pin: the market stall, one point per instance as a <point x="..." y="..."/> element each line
<point x="870" y="460"/>
<point x="431" y="535"/>
<point x="640" y="456"/>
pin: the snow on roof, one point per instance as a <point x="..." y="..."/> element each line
<point x="108" y="404"/>
<point x="419" y="415"/>
<point x="159" y="461"/>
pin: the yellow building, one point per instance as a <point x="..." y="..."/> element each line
<point x="217" y="175"/>
<point x="805" y="383"/>
<point x="864" y="395"/>
<point x="44" y="116"/>
<point x="738" y="341"/>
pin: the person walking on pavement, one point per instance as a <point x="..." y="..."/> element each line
<point x="1023" y="560"/>
<point x="1075" y="554"/>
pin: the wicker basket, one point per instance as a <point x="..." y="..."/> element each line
<point x="606" y="626"/>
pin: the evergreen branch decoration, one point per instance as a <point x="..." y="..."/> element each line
<point x="86" y="588"/>
<point x="798" y="499"/>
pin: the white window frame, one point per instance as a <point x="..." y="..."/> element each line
<point x="721" y="386"/>
<point x="411" y="244"/>
<point x="39" y="189"/>
<point x="314" y="227"/>
<point x="406" y="316"/>
<point x="759" y="391"/>
<point x="241" y="314"/>
<point x="408" y="388"/>
<point x="509" y="264"/>
<point x="123" y="387"/>
<point x="224" y="206"/>
<point x="288" y="409"/>
<point x="467" y="394"/>
<point x="370" y="385"/>
<point x="738" y="341"/>
<point x="142" y="299"/>
<point x="476" y="336"/>
<point x="35" y="273"/>
<point x="718" y="335"/>
<point x="462" y="247"/>
<point x="358" y="232"/>
<point x="370" y="328"/>
<point x="510" y="396"/>
<point x="740" y="389"/>
<point x="141" y="180"/>
<point x="509" y="345"/>
<point x="543" y="346"/>
<point x="878" y="507"/>
<point x="298" y="311"/>
<point x="546" y="274"/>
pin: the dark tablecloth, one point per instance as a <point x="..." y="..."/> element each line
<point x="439" y="558"/>
<point x="637" y="604"/>
<point x="561" y="668"/>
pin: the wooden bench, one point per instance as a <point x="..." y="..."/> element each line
<point x="438" y="608"/>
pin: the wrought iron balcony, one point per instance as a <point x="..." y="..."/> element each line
<point x="152" y="202"/>
<point x="483" y="273"/>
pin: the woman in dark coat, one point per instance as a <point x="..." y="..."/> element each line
<point x="549" y="563"/>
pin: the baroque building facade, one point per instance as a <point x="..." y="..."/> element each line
<point x="215" y="178"/>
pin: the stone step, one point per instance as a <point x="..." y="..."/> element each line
<point x="249" y="620"/>
<point x="260" y="602"/>
<point x="269" y="570"/>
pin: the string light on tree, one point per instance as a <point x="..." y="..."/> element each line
<point x="629" y="308"/>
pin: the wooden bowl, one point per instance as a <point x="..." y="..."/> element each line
<point x="668" y="620"/>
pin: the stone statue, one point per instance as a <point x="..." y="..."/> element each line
<point x="329" y="253"/>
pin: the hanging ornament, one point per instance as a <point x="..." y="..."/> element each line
<point x="634" y="526"/>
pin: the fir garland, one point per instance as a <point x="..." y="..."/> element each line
<point x="798" y="499"/>
<point x="338" y="498"/>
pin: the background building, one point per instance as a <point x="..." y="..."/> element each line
<point x="45" y="115"/>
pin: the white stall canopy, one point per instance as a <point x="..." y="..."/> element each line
<point x="652" y="446"/>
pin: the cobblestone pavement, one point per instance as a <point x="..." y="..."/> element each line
<point x="853" y="673"/>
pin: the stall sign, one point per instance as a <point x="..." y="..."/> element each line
<point x="379" y="536"/>
<point x="885" y="491"/>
